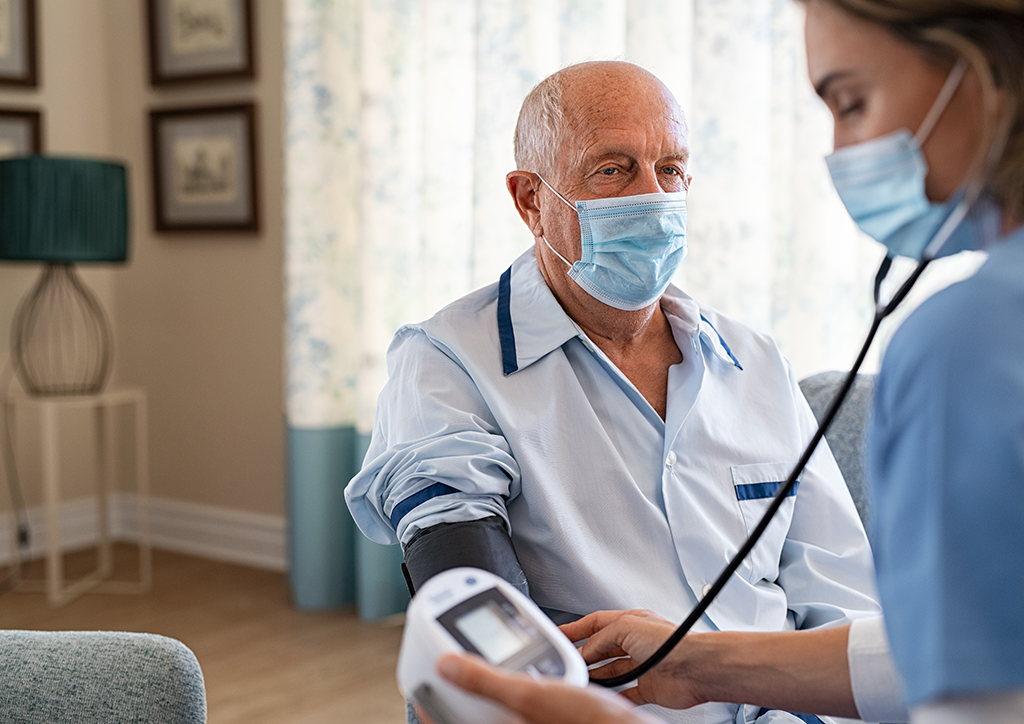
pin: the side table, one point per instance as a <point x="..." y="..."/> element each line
<point x="58" y="592"/>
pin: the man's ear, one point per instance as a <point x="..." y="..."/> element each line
<point x="523" y="186"/>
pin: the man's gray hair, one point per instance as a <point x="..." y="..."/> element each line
<point x="539" y="128"/>
<point x="541" y="125"/>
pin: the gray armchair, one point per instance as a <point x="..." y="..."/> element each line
<point x="847" y="436"/>
<point x="54" y="677"/>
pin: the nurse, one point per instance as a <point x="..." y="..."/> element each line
<point x="928" y="102"/>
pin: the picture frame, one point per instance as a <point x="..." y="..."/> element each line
<point x="20" y="132"/>
<point x="200" y="40"/>
<point x="205" y="172"/>
<point x="18" y="46"/>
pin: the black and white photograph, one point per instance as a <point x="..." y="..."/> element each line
<point x="198" y="40"/>
<point x="20" y="133"/>
<point x="204" y="168"/>
<point x="18" y="43"/>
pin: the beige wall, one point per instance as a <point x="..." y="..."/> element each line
<point x="198" y="318"/>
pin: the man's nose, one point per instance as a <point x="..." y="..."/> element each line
<point x="646" y="182"/>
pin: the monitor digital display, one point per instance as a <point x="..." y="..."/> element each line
<point x="492" y="632"/>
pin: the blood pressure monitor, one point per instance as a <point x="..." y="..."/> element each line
<point x="467" y="609"/>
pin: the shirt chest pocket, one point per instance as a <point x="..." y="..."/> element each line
<point x="755" y="487"/>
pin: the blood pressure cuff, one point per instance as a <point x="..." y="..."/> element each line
<point x="483" y="543"/>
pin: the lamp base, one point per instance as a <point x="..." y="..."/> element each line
<point x="60" y="337"/>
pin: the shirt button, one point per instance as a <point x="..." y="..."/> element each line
<point x="704" y="591"/>
<point x="670" y="460"/>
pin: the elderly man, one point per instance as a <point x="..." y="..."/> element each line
<point x="585" y="423"/>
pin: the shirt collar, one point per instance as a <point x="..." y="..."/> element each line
<point x="531" y="322"/>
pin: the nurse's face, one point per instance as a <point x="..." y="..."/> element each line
<point x="875" y="83"/>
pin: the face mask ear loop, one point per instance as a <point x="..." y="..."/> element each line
<point x="571" y="206"/>
<point x="555" y="252"/>
<point x="945" y="95"/>
<point x="567" y="263"/>
<point x="973" y="192"/>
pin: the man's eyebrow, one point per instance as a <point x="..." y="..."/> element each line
<point x="589" y="156"/>
<point x="680" y="155"/>
<point x="822" y="86"/>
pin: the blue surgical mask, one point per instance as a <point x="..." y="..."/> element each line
<point x="632" y="246"/>
<point x="882" y="184"/>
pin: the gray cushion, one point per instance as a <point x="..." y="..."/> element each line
<point x="847" y="435"/>
<point x="98" y="676"/>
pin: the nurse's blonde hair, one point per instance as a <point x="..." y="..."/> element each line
<point x="988" y="34"/>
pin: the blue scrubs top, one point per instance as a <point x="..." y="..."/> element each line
<point x="946" y="469"/>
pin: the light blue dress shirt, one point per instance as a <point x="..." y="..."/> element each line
<point x="946" y="470"/>
<point x="500" y="405"/>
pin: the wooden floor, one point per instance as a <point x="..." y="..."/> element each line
<point x="263" y="661"/>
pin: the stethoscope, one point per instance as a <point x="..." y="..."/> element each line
<point x="882" y="310"/>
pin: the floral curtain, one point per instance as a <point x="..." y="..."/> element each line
<point x="399" y="124"/>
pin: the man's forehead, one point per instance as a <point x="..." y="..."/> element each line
<point x="634" y="130"/>
<point x="609" y="98"/>
<point x="606" y="141"/>
<point x="629" y="97"/>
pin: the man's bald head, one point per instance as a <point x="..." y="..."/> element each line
<point x="564" y="101"/>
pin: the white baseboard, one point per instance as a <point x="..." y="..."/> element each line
<point x="223" y="534"/>
<point x="78" y="526"/>
<point x="234" y="536"/>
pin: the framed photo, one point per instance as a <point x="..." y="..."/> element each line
<point x="193" y="40"/>
<point x="18" y="42"/>
<point x="20" y="133"/>
<point x="204" y="168"/>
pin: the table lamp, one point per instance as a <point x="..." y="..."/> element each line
<point x="62" y="211"/>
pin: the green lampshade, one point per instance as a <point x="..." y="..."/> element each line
<point x="63" y="210"/>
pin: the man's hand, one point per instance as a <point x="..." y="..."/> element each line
<point x="636" y="635"/>
<point x="533" y="701"/>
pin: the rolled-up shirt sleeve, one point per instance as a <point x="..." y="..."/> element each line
<point x="877" y="686"/>
<point x="436" y="454"/>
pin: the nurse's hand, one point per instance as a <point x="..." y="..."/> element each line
<point x="538" y="701"/>
<point x="636" y="635"/>
<point x="791" y="670"/>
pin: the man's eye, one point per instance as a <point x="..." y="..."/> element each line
<point x="609" y="171"/>
<point x="671" y="170"/>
